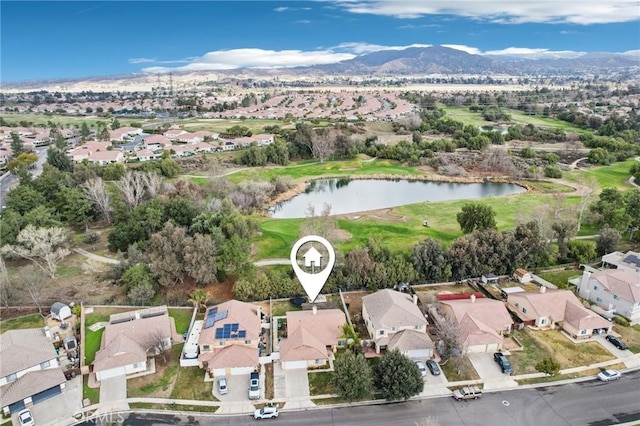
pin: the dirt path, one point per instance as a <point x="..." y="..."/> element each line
<point x="96" y="257"/>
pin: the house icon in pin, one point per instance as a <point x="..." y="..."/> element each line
<point x="312" y="258"/>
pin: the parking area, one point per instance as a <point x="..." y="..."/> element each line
<point x="611" y="348"/>
<point x="58" y="410"/>
<point x="238" y="389"/>
<point x="296" y="382"/>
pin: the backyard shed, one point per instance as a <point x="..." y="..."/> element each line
<point x="489" y="279"/>
<point x="60" y="311"/>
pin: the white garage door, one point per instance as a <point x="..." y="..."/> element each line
<point x="290" y="365"/>
<point x="477" y="348"/>
<point x="493" y="347"/>
<point x="114" y="372"/>
<point x="219" y="372"/>
<point x="236" y="371"/>
<point x="419" y="353"/>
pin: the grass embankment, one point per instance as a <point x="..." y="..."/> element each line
<point x="613" y="176"/>
<point x="560" y="278"/>
<point x="93" y="394"/>
<point x="181" y="317"/>
<point x="174" y="407"/>
<point x="586" y="373"/>
<point x="538" y="345"/>
<point x="467" y="372"/>
<point x="630" y="335"/>
<point x="20" y="323"/>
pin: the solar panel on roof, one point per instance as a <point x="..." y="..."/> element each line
<point x="211" y="315"/>
<point x="219" y="333"/>
<point x="234" y="327"/>
<point x="242" y="334"/>
<point x="632" y="258"/>
<point x="220" y="316"/>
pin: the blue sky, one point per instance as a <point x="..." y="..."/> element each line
<point x="57" y="39"/>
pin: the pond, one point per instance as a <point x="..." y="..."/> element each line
<point x="349" y="196"/>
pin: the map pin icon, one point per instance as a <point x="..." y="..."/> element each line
<point x="312" y="282"/>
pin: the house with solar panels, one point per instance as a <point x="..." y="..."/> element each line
<point x="229" y="339"/>
<point x="615" y="290"/>
<point x="629" y="260"/>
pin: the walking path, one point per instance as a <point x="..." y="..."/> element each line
<point x="96" y="257"/>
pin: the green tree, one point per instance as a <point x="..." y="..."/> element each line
<point x="564" y="230"/>
<point x="59" y="159"/>
<point x="582" y="251"/>
<point x="84" y="131"/>
<point x="430" y="260"/>
<point x="199" y="298"/>
<point x="75" y="208"/>
<point x="115" y="124"/>
<point x="353" y="376"/>
<point x="17" y="145"/>
<point x="114" y="171"/>
<point x="476" y="217"/>
<point x="170" y="168"/>
<point x="136" y="274"/>
<point x="22" y="162"/>
<point x="398" y="377"/>
<point x="635" y="172"/>
<point x="548" y="366"/>
<point x="601" y="156"/>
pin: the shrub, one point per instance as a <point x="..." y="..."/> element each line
<point x="552" y="172"/>
<point x="621" y="321"/>
<point x="548" y="366"/>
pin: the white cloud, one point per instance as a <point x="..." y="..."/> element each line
<point x="534" y="53"/>
<point x="303" y="21"/>
<point x="359" y="48"/>
<point x="281" y="9"/>
<point x="257" y="58"/>
<point x="468" y="49"/>
<point x="505" y="11"/>
<point x="141" y="60"/>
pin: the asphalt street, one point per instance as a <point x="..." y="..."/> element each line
<point x="8" y="182"/>
<point x="590" y="403"/>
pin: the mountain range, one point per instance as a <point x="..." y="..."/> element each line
<point x="414" y="61"/>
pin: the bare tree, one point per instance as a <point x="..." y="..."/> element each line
<point x="322" y="144"/>
<point x="95" y="189"/>
<point x="156" y="344"/>
<point x="133" y="188"/>
<point x="153" y="183"/>
<point x="5" y="288"/>
<point x="452" y="345"/>
<point x="585" y="200"/>
<point x="32" y="281"/>
<point x="45" y="247"/>
<point x="323" y="225"/>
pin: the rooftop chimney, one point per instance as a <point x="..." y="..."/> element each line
<point x="415" y="299"/>
<point x="315" y="309"/>
<point x="472" y="298"/>
<point x="542" y="289"/>
<point x="47" y="332"/>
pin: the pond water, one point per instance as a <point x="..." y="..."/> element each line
<point x="349" y="196"/>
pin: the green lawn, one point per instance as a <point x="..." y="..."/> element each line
<point x="524" y="361"/>
<point x="614" y="176"/>
<point x="92" y="393"/>
<point x="182" y="318"/>
<point x="467" y="117"/>
<point x="92" y="340"/>
<point x="189" y="383"/>
<point x="281" y="307"/>
<point x="161" y="383"/>
<point x="327" y="169"/>
<point x="220" y="125"/>
<point x="467" y="372"/>
<point x="175" y="407"/>
<point x="560" y="278"/>
<point x="29" y="321"/>
<point x="321" y="383"/>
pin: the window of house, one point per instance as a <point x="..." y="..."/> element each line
<point x="417" y="327"/>
<point x="595" y="287"/>
<point x="45" y="364"/>
<point x="598" y="299"/>
<point x="517" y="305"/>
<point x="543" y="321"/>
<point x="394" y="328"/>
<point x="222" y="343"/>
<point x="247" y="342"/>
<point x="206" y="347"/>
<point x="319" y="361"/>
<point x="615" y="296"/>
<point x="11" y="377"/>
<point x="381" y="332"/>
<point x="524" y="310"/>
<point x="583" y="331"/>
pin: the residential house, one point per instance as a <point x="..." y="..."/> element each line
<point x="414" y="344"/>
<point x="156" y="142"/>
<point x="145" y="155"/>
<point x="615" y="290"/>
<point x="29" y="369"/>
<point x="182" y="150"/>
<point x="481" y="322"/>
<point x="228" y="146"/>
<point x="130" y="338"/>
<point x="387" y="312"/>
<point x="550" y="307"/>
<point x="124" y="133"/>
<point x="629" y="260"/>
<point x="312" y="337"/>
<point x="229" y="338"/>
<point x="173" y="132"/>
<point x="187" y="137"/>
<point x="203" y="147"/>
<point x="106" y="157"/>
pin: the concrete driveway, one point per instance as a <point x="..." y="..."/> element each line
<point x="490" y="372"/>
<point x="113" y="394"/>
<point x="60" y="409"/>
<point x="609" y="346"/>
<point x="238" y="389"/>
<point x="296" y="382"/>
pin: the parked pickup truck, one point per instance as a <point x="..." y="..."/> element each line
<point x="467" y="392"/>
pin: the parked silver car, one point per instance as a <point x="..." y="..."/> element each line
<point x="223" y="388"/>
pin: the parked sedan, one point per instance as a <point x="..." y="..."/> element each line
<point x="421" y="367"/>
<point x="433" y="367"/>
<point x="608" y="375"/>
<point x="25" y="418"/>
<point x="223" y="389"/>
<point x="617" y="342"/>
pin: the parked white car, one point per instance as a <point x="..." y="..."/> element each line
<point x="266" y="413"/>
<point x="421" y="367"/>
<point x="223" y="389"/>
<point x="26" y="418"/>
<point x="608" y="375"/>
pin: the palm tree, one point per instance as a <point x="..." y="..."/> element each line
<point x="199" y="298"/>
